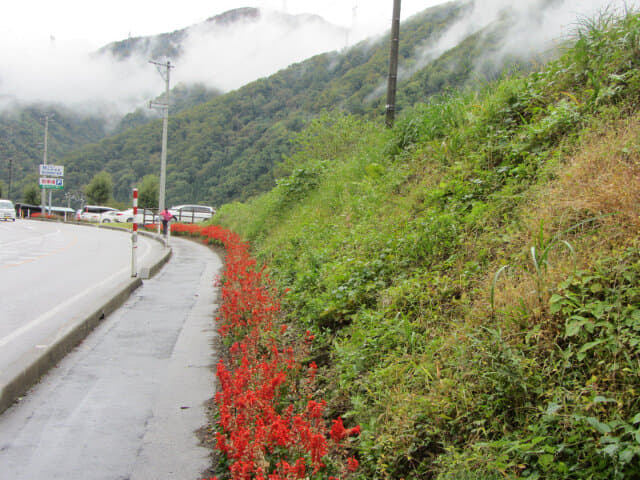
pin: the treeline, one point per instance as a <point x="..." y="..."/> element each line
<point x="22" y="142"/>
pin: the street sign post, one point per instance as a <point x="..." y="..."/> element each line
<point x="48" y="170"/>
<point x="52" y="183"/>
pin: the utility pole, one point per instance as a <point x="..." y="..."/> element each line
<point x="43" y="198"/>
<point x="10" y="176"/>
<point x="13" y="153"/>
<point x="393" y="65"/>
<point x="165" y="124"/>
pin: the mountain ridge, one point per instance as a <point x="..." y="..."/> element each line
<point x="170" y="45"/>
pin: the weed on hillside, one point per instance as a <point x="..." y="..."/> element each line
<point x="471" y="276"/>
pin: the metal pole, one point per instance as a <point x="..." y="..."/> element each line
<point x="43" y="198"/>
<point x="165" y="126"/>
<point x="166" y="239"/>
<point x="10" y="176"/>
<point x="134" y="235"/>
<point x="163" y="161"/>
<point x="393" y="65"/>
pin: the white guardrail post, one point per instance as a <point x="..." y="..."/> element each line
<point x="134" y="235"/>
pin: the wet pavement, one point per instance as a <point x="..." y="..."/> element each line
<point x="127" y="402"/>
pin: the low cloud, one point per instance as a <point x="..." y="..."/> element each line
<point x="535" y="27"/>
<point x="65" y="73"/>
<point x="224" y="58"/>
<point x="231" y="57"/>
<point x="538" y="25"/>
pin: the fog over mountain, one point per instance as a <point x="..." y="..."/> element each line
<point x="224" y="53"/>
<point x="533" y="26"/>
<point x="234" y="48"/>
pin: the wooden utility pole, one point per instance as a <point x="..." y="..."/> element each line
<point x="393" y="65"/>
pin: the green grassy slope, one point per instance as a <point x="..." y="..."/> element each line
<point x="472" y="275"/>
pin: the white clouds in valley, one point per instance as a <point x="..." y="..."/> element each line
<point x="534" y="27"/>
<point x="220" y="57"/>
<point x="231" y="57"/>
<point x="539" y="24"/>
<point x="66" y="73"/>
<point x="228" y="57"/>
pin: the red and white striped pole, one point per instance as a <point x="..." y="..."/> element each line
<point x="134" y="235"/>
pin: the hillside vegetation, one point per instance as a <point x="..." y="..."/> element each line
<point x="22" y="142"/>
<point x="227" y="148"/>
<point x="472" y="276"/>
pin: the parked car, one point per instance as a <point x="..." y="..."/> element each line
<point x="93" y="213"/>
<point x="109" y="216"/>
<point x="7" y="210"/>
<point x="144" y="216"/>
<point x="192" y="213"/>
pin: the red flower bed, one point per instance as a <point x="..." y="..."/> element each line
<point x="270" y="428"/>
<point x="38" y="215"/>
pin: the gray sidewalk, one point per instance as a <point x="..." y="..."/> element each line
<point x="125" y="404"/>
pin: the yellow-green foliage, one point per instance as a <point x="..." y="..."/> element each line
<point x="473" y="275"/>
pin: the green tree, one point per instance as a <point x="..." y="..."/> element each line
<point x="31" y="194"/>
<point x="100" y="189"/>
<point x="148" y="191"/>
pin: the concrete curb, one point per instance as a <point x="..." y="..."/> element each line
<point x="14" y="384"/>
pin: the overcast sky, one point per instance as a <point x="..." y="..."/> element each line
<point x="98" y="23"/>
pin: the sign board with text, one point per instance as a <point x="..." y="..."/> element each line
<point x="51" y="183"/>
<point x="47" y="170"/>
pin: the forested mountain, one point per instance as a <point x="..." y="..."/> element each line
<point x="170" y="44"/>
<point x="227" y="148"/>
<point x="175" y="44"/>
<point x="22" y="141"/>
<point x="182" y="97"/>
<point x="195" y="49"/>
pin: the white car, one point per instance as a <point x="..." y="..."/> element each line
<point x="93" y="213"/>
<point x="7" y="210"/>
<point x="109" y="217"/>
<point x="192" y="213"/>
<point x="144" y="216"/>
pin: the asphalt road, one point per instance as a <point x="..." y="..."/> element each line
<point x="53" y="273"/>
<point x="125" y="404"/>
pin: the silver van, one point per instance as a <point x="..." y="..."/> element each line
<point x="192" y="213"/>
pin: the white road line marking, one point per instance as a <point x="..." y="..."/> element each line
<point x="46" y="316"/>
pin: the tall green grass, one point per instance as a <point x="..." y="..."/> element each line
<point x="393" y="246"/>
